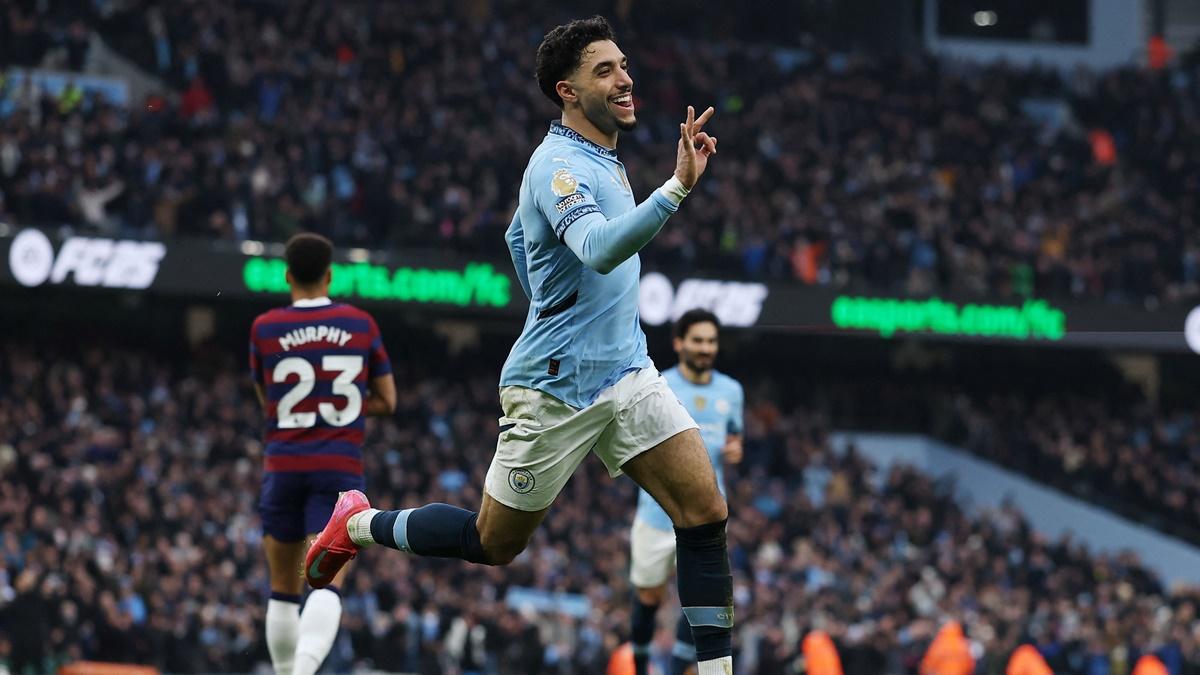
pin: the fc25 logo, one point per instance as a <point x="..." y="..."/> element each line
<point x="111" y="263"/>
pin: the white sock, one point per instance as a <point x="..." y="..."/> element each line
<point x="283" y="626"/>
<point x="359" y="527"/>
<point x="318" y="629"/>
<point x="721" y="666"/>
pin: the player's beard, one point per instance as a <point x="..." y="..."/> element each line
<point x="601" y="116"/>
<point x="698" y="364"/>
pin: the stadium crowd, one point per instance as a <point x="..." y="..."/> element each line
<point x="403" y="124"/>
<point x="128" y="528"/>
<point x="1135" y="459"/>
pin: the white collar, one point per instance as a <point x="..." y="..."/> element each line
<point x="312" y="302"/>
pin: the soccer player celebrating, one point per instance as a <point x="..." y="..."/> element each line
<point x="714" y="400"/>
<point x="318" y="367"/>
<point x="578" y="378"/>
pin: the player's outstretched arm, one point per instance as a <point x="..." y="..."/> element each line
<point x="603" y="244"/>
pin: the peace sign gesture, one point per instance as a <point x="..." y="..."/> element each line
<point x="695" y="148"/>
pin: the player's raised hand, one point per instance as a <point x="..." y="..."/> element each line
<point x="695" y="148"/>
<point x="731" y="452"/>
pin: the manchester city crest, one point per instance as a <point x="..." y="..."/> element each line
<point x="520" y="480"/>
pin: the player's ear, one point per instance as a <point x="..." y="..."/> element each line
<point x="288" y="277"/>
<point x="566" y="92"/>
<point x="329" y="276"/>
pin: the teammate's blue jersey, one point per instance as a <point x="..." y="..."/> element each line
<point x="717" y="409"/>
<point x="582" y="333"/>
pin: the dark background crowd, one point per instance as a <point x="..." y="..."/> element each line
<point x="129" y="463"/>
<point x="408" y="124"/>
<point x="129" y="532"/>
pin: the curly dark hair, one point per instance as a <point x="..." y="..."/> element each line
<point x="308" y="257"/>
<point x="561" y="51"/>
<point x="692" y="317"/>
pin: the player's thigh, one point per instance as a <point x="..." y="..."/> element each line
<point x="658" y="444"/>
<point x="651" y="560"/>
<point x="504" y="530"/>
<point x="281" y="510"/>
<point x="678" y="474"/>
<point x="542" y="441"/>
<point x="284" y="560"/>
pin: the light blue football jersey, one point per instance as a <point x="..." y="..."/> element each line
<point x="582" y="333"/>
<point x="717" y="409"/>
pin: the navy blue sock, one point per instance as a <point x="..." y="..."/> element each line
<point x="683" y="654"/>
<point x="706" y="588"/>
<point x="641" y="634"/>
<point x="382" y="528"/>
<point x="434" y="530"/>
<point x="285" y="597"/>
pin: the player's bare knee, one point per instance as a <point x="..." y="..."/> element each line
<point x="652" y="596"/>
<point x="502" y="552"/>
<point x="503" y="555"/>
<point x="711" y="510"/>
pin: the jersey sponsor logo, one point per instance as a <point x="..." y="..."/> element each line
<point x="562" y="183"/>
<point x="735" y="303"/>
<point x="111" y="263"/>
<point x="569" y="202"/>
<point x="520" y="480"/>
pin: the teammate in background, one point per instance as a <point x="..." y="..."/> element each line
<point x="714" y="400"/>
<point x="578" y="378"/>
<point x="319" y="367"/>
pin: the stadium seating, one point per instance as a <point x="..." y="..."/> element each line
<point x="118" y="466"/>
<point x="411" y="127"/>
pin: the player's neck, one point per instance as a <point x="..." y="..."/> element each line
<point x="308" y="294"/>
<point x="579" y="123"/>
<point x="694" y="376"/>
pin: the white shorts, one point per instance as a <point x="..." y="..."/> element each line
<point x="651" y="555"/>
<point x="542" y="440"/>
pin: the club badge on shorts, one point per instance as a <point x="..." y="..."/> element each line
<point x="520" y="480"/>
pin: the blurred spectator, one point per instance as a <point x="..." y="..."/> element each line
<point x="1132" y="458"/>
<point x="409" y="124"/>
<point x="128" y="529"/>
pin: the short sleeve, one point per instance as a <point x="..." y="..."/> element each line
<point x="255" y="355"/>
<point x="379" y="362"/>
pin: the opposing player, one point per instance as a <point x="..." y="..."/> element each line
<point x="578" y="378"/>
<point x="319" y="367"/>
<point x="714" y="400"/>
